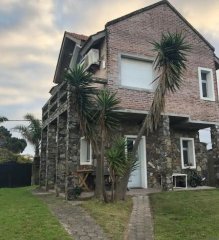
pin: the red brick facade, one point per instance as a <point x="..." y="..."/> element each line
<point x="132" y="35"/>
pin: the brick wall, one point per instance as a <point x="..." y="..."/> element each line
<point x="132" y="36"/>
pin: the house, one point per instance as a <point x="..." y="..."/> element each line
<point x="121" y="59"/>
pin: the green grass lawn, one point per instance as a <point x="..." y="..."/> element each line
<point x="187" y="215"/>
<point x="112" y="217"/>
<point x="25" y="217"/>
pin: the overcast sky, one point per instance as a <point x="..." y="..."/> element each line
<point x="31" y="33"/>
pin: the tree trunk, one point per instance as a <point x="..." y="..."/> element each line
<point x="121" y="187"/>
<point x="98" y="184"/>
<point x="35" y="171"/>
<point x="140" y="134"/>
<point x="36" y="167"/>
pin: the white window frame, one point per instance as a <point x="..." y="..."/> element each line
<point x="137" y="58"/>
<point x="193" y="152"/>
<point x="210" y="84"/>
<point x="82" y="162"/>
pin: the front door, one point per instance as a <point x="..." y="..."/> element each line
<point x="138" y="178"/>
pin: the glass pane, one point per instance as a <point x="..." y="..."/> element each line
<point x="88" y="152"/>
<point x="185" y="157"/>
<point x="204" y="75"/>
<point x="185" y="144"/>
<point x="204" y="89"/>
<point x="130" y="144"/>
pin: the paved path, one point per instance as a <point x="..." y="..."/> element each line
<point x="81" y="226"/>
<point x="74" y="218"/>
<point x="140" y="225"/>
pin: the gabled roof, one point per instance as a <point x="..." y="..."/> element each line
<point x="78" y="36"/>
<point x="70" y="40"/>
<point x="93" y="39"/>
<point x="153" y="6"/>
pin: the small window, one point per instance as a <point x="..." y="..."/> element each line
<point x="187" y="153"/>
<point x="85" y="152"/>
<point x="206" y="83"/>
<point x="136" y="73"/>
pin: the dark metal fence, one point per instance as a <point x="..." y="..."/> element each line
<point x="13" y="174"/>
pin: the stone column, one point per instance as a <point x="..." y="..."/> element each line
<point x="166" y="155"/>
<point x="51" y="155"/>
<point x="73" y="143"/>
<point x="61" y="154"/>
<point x="215" y="152"/>
<point x="43" y="158"/>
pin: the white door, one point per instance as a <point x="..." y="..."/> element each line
<point x="138" y="177"/>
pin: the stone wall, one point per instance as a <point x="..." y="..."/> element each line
<point x="215" y="153"/>
<point x="163" y="152"/>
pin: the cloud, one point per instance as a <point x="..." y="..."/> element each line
<point x="31" y="34"/>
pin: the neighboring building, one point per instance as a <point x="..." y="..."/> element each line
<point x="121" y="58"/>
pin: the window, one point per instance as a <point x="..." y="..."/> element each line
<point x="187" y="153"/>
<point x="206" y="83"/>
<point x="85" y="152"/>
<point x="136" y="73"/>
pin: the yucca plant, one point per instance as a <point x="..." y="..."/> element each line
<point x="95" y="109"/>
<point x="83" y="92"/>
<point x="120" y="163"/>
<point x="169" y="65"/>
<point x="107" y="121"/>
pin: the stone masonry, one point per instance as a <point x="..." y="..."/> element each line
<point x="215" y="152"/>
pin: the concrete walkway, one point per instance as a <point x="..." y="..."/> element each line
<point x="81" y="226"/>
<point x="73" y="218"/>
<point x="140" y="225"/>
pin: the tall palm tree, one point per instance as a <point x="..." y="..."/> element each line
<point x="3" y="119"/>
<point x="170" y="63"/>
<point x="32" y="132"/>
<point x="106" y="121"/>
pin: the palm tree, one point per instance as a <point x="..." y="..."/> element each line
<point x="170" y="63"/>
<point x="106" y="121"/>
<point x="83" y="93"/>
<point x="3" y="119"/>
<point x="32" y="133"/>
<point x="95" y="110"/>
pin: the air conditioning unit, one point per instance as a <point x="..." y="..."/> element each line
<point x="90" y="59"/>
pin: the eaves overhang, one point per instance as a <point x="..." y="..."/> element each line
<point x="216" y="60"/>
<point x="68" y="44"/>
<point x="177" y="121"/>
<point x="92" y="40"/>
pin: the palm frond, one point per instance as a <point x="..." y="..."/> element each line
<point x="170" y="64"/>
<point x="31" y="132"/>
<point x="119" y="160"/>
<point x="106" y="104"/>
<point x="82" y="86"/>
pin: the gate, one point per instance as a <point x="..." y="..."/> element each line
<point x="13" y="174"/>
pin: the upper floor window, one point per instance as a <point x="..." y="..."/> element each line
<point x="206" y="84"/>
<point x="187" y="153"/>
<point x="85" y="152"/>
<point x="136" y="73"/>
